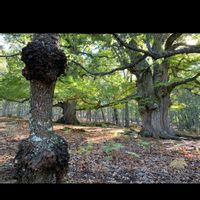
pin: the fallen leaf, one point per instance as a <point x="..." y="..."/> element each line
<point x="178" y="164"/>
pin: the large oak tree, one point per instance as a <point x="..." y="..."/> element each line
<point x="153" y="85"/>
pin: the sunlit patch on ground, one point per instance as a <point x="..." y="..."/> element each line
<point x="94" y="134"/>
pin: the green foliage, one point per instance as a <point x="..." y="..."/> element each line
<point x="147" y="102"/>
<point x="86" y="149"/>
<point x="95" y="54"/>
<point x="186" y="113"/>
<point x="100" y="53"/>
<point x="177" y="106"/>
<point x="3" y="66"/>
<point x="67" y="130"/>
<point x="144" y="144"/>
<point x="108" y="157"/>
<point x="145" y="133"/>
<point x="111" y="146"/>
<point x="92" y="51"/>
<point x="13" y="85"/>
<point x="161" y="84"/>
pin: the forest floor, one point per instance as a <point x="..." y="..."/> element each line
<point x="110" y="155"/>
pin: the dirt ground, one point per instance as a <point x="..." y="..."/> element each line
<point x="109" y="155"/>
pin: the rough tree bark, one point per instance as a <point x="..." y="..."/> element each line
<point x="95" y="116"/>
<point x="43" y="156"/>
<point x="126" y="115"/>
<point x="89" y="115"/>
<point x="19" y="110"/>
<point x="116" y="116"/>
<point x="103" y="116"/>
<point x="154" y="102"/>
<point x="153" y="97"/>
<point x="5" y="105"/>
<point x="69" y="113"/>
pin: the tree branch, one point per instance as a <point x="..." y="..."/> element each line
<point x="166" y="54"/>
<point x="171" y="40"/>
<point x="7" y="56"/>
<point x="88" y="54"/>
<point x="128" y="46"/>
<point x="93" y="56"/>
<point x="174" y="46"/>
<point x="123" y="100"/>
<point x="177" y="83"/>
<point x="129" y="66"/>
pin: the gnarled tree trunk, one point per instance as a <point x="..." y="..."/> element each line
<point x="154" y="102"/>
<point x="155" y="121"/>
<point x="69" y="113"/>
<point x="43" y="156"/>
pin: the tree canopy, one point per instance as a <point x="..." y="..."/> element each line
<point x="105" y="70"/>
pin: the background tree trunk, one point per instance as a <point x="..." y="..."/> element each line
<point x="69" y="113"/>
<point x="154" y="103"/>
<point x="19" y="110"/>
<point x="116" y="116"/>
<point x="89" y="115"/>
<point x="5" y="105"/>
<point x="103" y="116"/>
<point x="127" y="120"/>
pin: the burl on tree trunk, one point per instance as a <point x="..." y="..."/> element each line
<point x="43" y="156"/>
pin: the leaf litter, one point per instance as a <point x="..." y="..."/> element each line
<point x="99" y="155"/>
